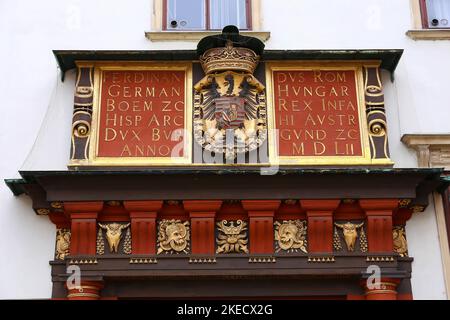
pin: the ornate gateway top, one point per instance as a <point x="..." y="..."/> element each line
<point x="299" y="107"/>
<point x="229" y="104"/>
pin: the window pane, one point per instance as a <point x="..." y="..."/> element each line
<point x="186" y="14"/>
<point x="226" y="12"/>
<point x="438" y="13"/>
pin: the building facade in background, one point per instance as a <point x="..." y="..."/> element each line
<point x="225" y="149"/>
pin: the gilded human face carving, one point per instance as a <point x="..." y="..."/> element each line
<point x="176" y="234"/>
<point x="291" y="235"/>
<point x="173" y="236"/>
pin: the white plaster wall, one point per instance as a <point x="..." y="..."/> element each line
<point x="427" y="275"/>
<point x="32" y="95"/>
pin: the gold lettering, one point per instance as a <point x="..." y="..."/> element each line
<point x="175" y="122"/>
<point x="109" y="131"/>
<point x="137" y="92"/>
<point x="155" y="135"/>
<point x="166" y="105"/>
<point x="297" y="150"/>
<point x="148" y="105"/>
<point x="180" y="108"/>
<point x="113" y="119"/>
<point x="114" y="93"/>
<point x="110" y="105"/>
<point x="126" y="150"/>
<point x="285" y="90"/>
<point x="153" y="119"/>
<point x="289" y="120"/>
<point x="317" y="146"/>
<point x="282" y="104"/>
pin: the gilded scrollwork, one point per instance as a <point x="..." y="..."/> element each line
<point x="82" y="113"/>
<point x="399" y="240"/>
<point x="232" y="237"/>
<point x="290" y="236"/>
<point x="173" y="236"/>
<point x="62" y="243"/>
<point x="375" y="112"/>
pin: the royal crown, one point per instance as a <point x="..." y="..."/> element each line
<point x="229" y="58"/>
<point x="229" y="51"/>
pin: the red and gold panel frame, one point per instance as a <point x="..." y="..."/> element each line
<point x="318" y="113"/>
<point x="141" y="114"/>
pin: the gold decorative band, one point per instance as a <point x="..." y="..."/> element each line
<point x="380" y="291"/>
<point x="83" y="294"/>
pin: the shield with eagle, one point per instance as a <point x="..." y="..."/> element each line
<point x="230" y="113"/>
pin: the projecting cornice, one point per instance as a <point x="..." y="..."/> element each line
<point x="389" y="58"/>
<point x="433" y="150"/>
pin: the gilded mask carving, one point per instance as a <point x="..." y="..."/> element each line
<point x="173" y="236"/>
<point x="290" y="236"/>
<point x="232" y="237"/>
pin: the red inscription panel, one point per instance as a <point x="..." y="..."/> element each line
<point x="316" y="112"/>
<point x="142" y="113"/>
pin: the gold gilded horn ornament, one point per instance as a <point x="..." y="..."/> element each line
<point x="113" y="234"/>
<point x="229" y="103"/>
<point x="350" y="231"/>
<point x="173" y="236"/>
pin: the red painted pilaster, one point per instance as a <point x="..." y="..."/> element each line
<point x="202" y="214"/>
<point x="261" y="213"/>
<point x="379" y="223"/>
<point x="387" y="290"/>
<point x="83" y="217"/>
<point x="88" y="290"/>
<point x="143" y="225"/>
<point x="320" y="224"/>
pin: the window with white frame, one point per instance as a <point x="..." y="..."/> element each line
<point x="435" y="14"/>
<point x="206" y="14"/>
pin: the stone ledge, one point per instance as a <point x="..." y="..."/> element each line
<point x="429" y="34"/>
<point x="197" y="35"/>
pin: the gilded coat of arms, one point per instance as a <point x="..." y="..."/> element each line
<point x="230" y="104"/>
